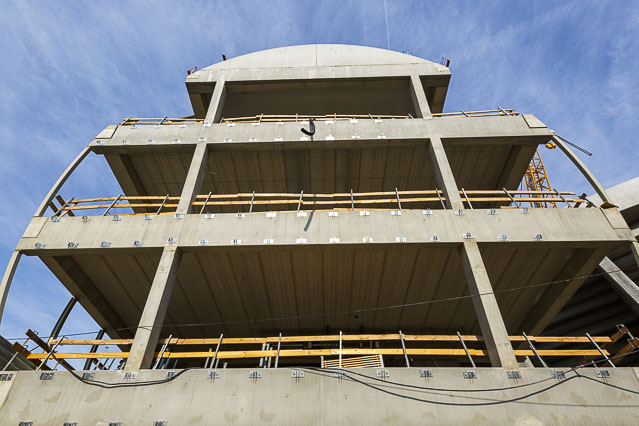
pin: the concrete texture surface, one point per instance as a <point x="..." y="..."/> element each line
<point x="278" y="398"/>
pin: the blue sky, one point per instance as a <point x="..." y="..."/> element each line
<point x="71" y="68"/>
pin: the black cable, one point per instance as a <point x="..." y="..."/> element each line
<point x="335" y="370"/>
<point x="355" y="311"/>
<point x="621" y="388"/>
<point x="460" y="404"/>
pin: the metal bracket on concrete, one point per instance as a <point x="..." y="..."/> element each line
<point x="558" y="374"/>
<point x="88" y="375"/>
<point x="160" y="423"/>
<point x="86" y="219"/>
<point x="130" y="375"/>
<point x="470" y="375"/>
<point x="213" y="375"/>
<point x="6" y="377"/>
<point x="240" y="216"/>
<point x="333" y="214"/>
<point x="459" y="212"/>
<point x="25" y="424"/>
<point x="70" y="424"/>
<point x="178" y="216"/>
<point x="72" y="245"/>
<point x="203" y="242"/>
<point x="40" y="245"/>
<point x="513" y="374"/>
<point x="116" y="218"/>
<point x="427" y="212"/>
<point x="491" y="212"/>
<point x="396" y="212"/>
<point x="137" y="243"/>
<point x="209" y="216"/>
<point x="426" y="372"/>
<point x="468" y="236"/>
<point x="434" y="239"/>
<point x="46" y="376"/>
<point x="537" y="237"/>
<point x="255" y="374"/>
<point x="148" y="217"/>
<point x="602" y="374"/>
<point x="367" y="239"/>
<point x="523" y="210"/>
<point x="364" y="213"/>
<point x="503" y="237"/>
<point x="400" y="239"/>
<point x="171" y="240"/>
<point x="55" y="218"/>
<point x="176" y="141"/>
<point x="382" y="373"/>
<point x="105" y="244"/>
<point x="236" y="242"/>
<point x="297" y="374"/>
<point x="339" y="374"/>
<point x="170" y="374"/>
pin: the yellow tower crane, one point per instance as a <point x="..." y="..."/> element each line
<point x="536" y="179"/>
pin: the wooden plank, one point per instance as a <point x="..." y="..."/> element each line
<point x="335" y="337"/>
<point x="44" y="346"/>
<point x="321" y="352"/>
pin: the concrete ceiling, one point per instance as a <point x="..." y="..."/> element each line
<point x="321" y="170"/>
<point x="241" y="287"/>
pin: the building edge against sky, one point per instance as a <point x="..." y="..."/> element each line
<point x="386" y="227"/>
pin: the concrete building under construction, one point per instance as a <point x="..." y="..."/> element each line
<point x="320" y="243"/>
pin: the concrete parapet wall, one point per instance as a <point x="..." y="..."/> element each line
<point x="322" y="398"/>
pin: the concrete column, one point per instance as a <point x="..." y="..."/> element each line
<point x="493" y="330"/>
<point x="5" y="285"/>
<point x="194" y="178"/>
<point x="583" y="169"/>
<point x="157" y="302"/>
<point x="61" y="180"/>
<point x="214" y="113"/>
<point x="443" y="173"/>
<point x="418" y="97"/>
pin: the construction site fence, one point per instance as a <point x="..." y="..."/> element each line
<point x="274" y="118"/>
<point x="385" y="200"/>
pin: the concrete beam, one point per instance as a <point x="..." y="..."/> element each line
<point x="194" y="178"/>
<point x="7" y="278"/>
<point x="157" y="302"/>
<point x="558" y="227"/>
<point x="61" y="180"/>
<point x="214" y="113"/>
<point x="491" y="322"/>
<point x="418" y="96"/>
<point x="580" y="265"/>
<point x="619" y="281"/>
<point x="518" y="160"/>
<point x="444" y="174"/>
<point x="598" y="187"/>
<point x="454" y="131"/>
